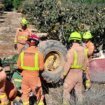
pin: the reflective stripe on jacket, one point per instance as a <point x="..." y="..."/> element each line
<point x="22" y="37"/>
<point x="75" y="64"/>
<point x="36" y="62"/>
<point x="3" y="96"/>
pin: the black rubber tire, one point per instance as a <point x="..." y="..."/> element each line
<point x="53" y="46"/>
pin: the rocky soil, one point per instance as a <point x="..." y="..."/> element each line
<point x="95" y="96"/>
<point x="9" y="22"/>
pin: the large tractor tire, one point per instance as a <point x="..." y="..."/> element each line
<point x="54" y="58"/>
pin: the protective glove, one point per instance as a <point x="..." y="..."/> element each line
<point x="40" y="103"/>
<point x="88" y="84"/>
<point x="15" y="46"/>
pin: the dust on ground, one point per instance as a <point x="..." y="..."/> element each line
<point x="9" y="22"/>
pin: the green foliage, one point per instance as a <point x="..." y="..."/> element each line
<point x="89" y="1"/>
<point x="61" y="17"/>
<point x="8" y="4"/>
<point x="16" y="3"/>
<point x="8" y="61"/>
<point x="1" y="6"/>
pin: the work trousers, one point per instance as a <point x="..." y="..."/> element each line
<point x="73" y="81"/>
<point x="31" y="83"/>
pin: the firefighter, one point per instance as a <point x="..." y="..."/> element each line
<point x="22" y="35"/>
<point x="87" y="36"/>
<point x="31" y="62"/>
<point x="3" y="97"/>
<point x="76" y="64"/>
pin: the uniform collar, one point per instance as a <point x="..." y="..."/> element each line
<point x="75" y="45"/>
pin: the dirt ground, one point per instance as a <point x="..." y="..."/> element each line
<point x="95" y="96"/>
<point x="9" y="22"/>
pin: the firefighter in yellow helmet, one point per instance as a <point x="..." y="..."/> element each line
<point x="22" y="35"/>
<point x="77" y="62"/>
<point x="87" y="36"/>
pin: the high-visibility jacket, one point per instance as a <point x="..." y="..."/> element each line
<point x="29" y="56"/>
<point x="90" y="46"/>
<point x="22" y="36"/>
<point x="3" y="95"/>
<point x="75" y="64"/>
<point x="36" y="62"/>
<point x="3" y="98"/>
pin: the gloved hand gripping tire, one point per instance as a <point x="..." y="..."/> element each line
<point x="88" y="84"/>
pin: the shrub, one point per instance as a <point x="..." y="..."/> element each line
<point x="1" y="6"/>
<point x="8" y="4"/>
<point x="61" y="17"/>
<point x="17" y="3"/>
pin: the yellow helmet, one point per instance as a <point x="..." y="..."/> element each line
<point x="75" y="36"/>
<point x="24" y="22"/>
<point x="87" y="35"/>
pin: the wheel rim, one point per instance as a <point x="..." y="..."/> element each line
<point x="52" y="61"/>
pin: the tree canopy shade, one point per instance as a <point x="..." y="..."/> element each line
<point x="10" y="4"/>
